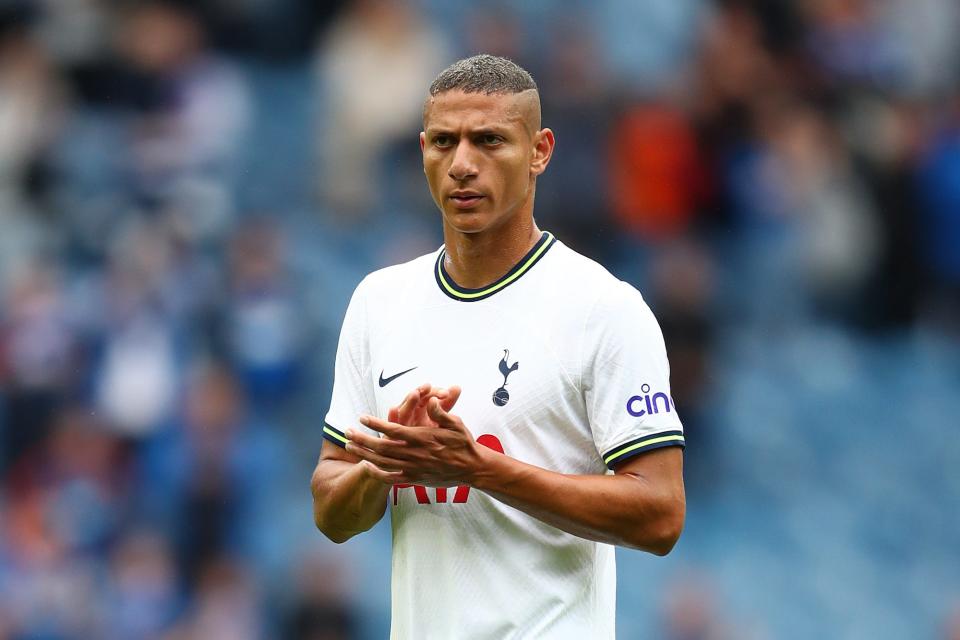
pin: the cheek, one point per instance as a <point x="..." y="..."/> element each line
<point x="516" y="177"/>
<point x="432" y="170"/>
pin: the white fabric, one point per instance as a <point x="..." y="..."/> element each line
<point x="584" y="344"/>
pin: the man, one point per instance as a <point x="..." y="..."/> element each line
<point x="546" y="432"/>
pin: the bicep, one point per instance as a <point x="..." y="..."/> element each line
<point x="330" y="465"/>
<point x="661" y="469"/>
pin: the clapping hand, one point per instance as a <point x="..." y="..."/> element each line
<point x="422" y="442"/>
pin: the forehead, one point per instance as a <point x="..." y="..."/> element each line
<point x="458" y="110"/>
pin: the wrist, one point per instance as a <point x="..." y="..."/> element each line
<point x="484" y="472"/>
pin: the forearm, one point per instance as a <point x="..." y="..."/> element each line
<point x="625" y="509"/>
<point x="346" y="500"/>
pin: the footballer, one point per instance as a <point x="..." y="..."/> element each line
<point x="543" y="434"/>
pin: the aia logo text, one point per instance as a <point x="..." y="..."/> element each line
<point x="461" y="493"/>
<point x="646" y="404"/>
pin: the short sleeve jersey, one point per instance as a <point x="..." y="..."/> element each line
<point x="562" y="366"/>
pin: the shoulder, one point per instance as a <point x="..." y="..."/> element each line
<point x="395" y="280"/>
<point x="602" y="291"/>
<point x="616" y="320"/>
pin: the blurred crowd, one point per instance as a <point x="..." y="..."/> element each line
<point x="190" y="190"/>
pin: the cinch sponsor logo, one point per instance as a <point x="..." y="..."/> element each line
<point x="462" y="493"/>
<point x="646" y="404"/>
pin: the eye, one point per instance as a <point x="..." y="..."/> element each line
<point x="490" y="139"/>
<point x="442" y="141"/>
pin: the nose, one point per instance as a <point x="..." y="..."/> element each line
<point x="463" y="165"/>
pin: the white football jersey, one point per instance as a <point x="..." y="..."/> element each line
<point x="562" y="366"/>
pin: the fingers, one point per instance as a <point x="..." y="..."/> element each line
<point x="450" y="398"/>
<point x="410" y="402"/>
<point x="385" y="463"/>
<point x="380" y="445"/>
<point x="391" y="429"/>
<point x="412" y="410"/>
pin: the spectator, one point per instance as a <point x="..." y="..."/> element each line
<point x="185" y="142"/>
<point x="396" y="53"/>
<point x="655" y="172"/>
<point x="38" y="356"/>
<point x="139" y="372"/>
<point x="321" y="609"/>
<point x="226" y="604"/>
<point x="31" y="106"/>
<point x="142" y="597"/>
<point x="265" y="332"/>
<point x="939" y="184"/>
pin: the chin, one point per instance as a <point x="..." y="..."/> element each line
<point x="468" y="221"/>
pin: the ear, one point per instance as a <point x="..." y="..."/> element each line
<point x="423" y="140"/>
<point x="543" y="144"/>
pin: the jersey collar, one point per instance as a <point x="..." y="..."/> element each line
<point x="455" y="291"/>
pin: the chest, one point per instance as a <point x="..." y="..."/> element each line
<point x="517" y="371"/>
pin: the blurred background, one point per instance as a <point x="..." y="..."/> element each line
<point x="190" y="191"/>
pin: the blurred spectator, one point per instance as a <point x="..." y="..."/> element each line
<point x="86" y="475"/>
<point x="265" y="332"/>
<point x="572" y="196"/>
<point x="655" y="172"/>
<point x="278" y="30"/>
<point x="186" y="139"/>
<point x="646" y="44"/>
<point x="682" y="295"/>
<point x="851" y="43"/>
<point x="888" y="138"/>
<point x="923" y="34"/>
<point x="76" y="34"/>
<point x="821" y="190"/>
<point x="143" y="597"/>
<point x="30" y="109"/>
<point x="374" y="65"/>
<point x="206" y="478"/>
<point x="732" y="65"/>
<point x="690" y="612"/>
<point x="321" y="609"/>
<point x="226" y="605"/>
<point x="138" y="375"/>
<point x="497" y="28"/>
<point x="66" y="503"/>
<point x="939" y="183"/>
<point x="38" y="355"/>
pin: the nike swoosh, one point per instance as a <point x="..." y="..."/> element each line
<point x="385" y="381"/>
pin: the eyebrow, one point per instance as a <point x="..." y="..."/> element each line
<point x="479" y="131"/>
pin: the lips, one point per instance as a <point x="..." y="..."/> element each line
<point x="465" y="199"/>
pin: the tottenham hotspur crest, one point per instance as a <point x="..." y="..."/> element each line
<point x="500" y="396"/>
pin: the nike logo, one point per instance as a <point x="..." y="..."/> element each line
<point x="385" y="381"/>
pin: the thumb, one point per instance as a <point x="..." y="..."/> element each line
<point x="437" y="413"/>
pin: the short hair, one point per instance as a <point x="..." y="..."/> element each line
<point x="483" y="73"/>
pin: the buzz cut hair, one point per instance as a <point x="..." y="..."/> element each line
<point x="484" y="73"/>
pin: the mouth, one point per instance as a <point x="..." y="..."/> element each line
<point x="465" y="199"/>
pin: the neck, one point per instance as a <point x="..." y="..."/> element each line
<point x="475" y="260"/>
